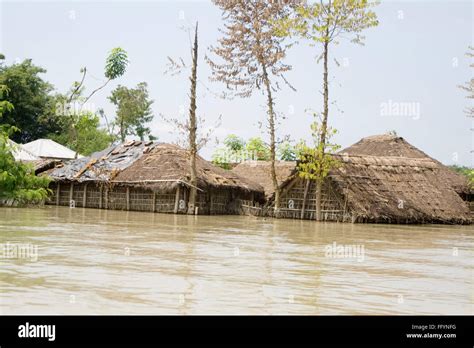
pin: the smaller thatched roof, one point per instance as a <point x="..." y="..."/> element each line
<point x="260" y="172"/>
<point x="154" y="165"/>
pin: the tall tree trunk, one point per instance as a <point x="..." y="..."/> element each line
<point x="193" y="127"/>
<point x="271" y="126"/>
<point x="305" y="197"/>
<point x="122" y="131"/>
<point x="324" y="126"/>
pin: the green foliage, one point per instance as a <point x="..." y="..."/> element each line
<point x="133" y="110"/>
<point x="322" y="22"/>
<point x="29" y="94"/>
<point x="116" y="63"/>
<point x="286" y="151"/>
<point x="88" y="137"/>
<point x="257" y="147"/>
<point x="5" y="105"/>
<point x="234" y="143"/>
<point x="315" y="162"/>
<point x="17" y="180"/>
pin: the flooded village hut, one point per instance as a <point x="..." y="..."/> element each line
<point x="147" y="176"/>
<point x="381" y="179"/>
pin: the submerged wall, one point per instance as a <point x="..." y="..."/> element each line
<point x="91" y="195"/>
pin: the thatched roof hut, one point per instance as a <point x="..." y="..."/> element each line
<point x="157" y="166"/>
<point x="381" y="179"/>
<point x="152" y="177"/>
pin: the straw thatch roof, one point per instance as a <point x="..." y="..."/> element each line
<point x="396" y="146"/>
<point x="397" y="189"/>
<point x="155" y="165"/>
<point x="260" y="172"/>
<point x="382" y="179"/>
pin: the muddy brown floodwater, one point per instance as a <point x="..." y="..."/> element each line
<point x="56" y="260"/>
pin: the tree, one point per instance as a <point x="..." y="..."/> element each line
<point x="88" y="138"/>
<point x="251" y="55"/>
<point x="237" y="150"/>
<point x="469" y="86"/>
<point x="324" y="23"/>
<point x="234" y="143"/>
<point x="190" y="130"/>
<point x="286" y="151"/>
<point x="315" y="161"/>
<point x="18" y="182"/>
<point x="115" y="66"/>
<point x="193" y="125"/>
<point x="133" y="110"/>
<point x="258" y="149"/>
<point x="29" y="93"/>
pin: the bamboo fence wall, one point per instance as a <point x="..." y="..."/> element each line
<point x="90" y="195"/>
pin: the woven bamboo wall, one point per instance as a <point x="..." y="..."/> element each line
<point x="94" y="196"/>
<point x="332" y="203"/>
<point x="140" y="199"/>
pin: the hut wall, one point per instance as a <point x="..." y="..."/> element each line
<point x="210" y="202"/>
<point x="140" y="199"/>
<point x="332" y="203"/>
<point x="219" y="202"/>
<point x="78" y="195"/>
<point x="94" y="196"/>
<point x="117" y="198"/>
<point x="64" y="190"/>
<point x="164" y="202"/>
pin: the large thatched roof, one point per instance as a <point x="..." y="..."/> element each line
<point x="154" y="165"/>
<point x="395" y="146"/>
<point x="398" y="189"/>
<point x="383" y="179"/>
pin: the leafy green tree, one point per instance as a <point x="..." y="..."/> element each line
<point x="72" y="107"/>
<point x="257" y="147"/>
<point x="234" y="143"/>
<point x="18" y="182"/>
<point x="286" y="151"/>
<point x="323" y="24"/>
<point x="29" y="93"/>
<point x="316" y="160"/>
<point x="88" y="137"/>
<point x="133" y="111"/>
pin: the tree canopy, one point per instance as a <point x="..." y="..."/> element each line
<point x="133" y="111"/>
<point x="30" y="95"/>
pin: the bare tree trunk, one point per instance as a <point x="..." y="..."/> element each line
<point x="319" y="190"/>
<point x="324" y="125"/>
<point x="193" y="127"/>
<point x="271" y="126"/>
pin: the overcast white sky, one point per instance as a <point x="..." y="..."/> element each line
<point x="415" y="56"/>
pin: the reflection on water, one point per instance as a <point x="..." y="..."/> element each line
<point x="98" y="261"/>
